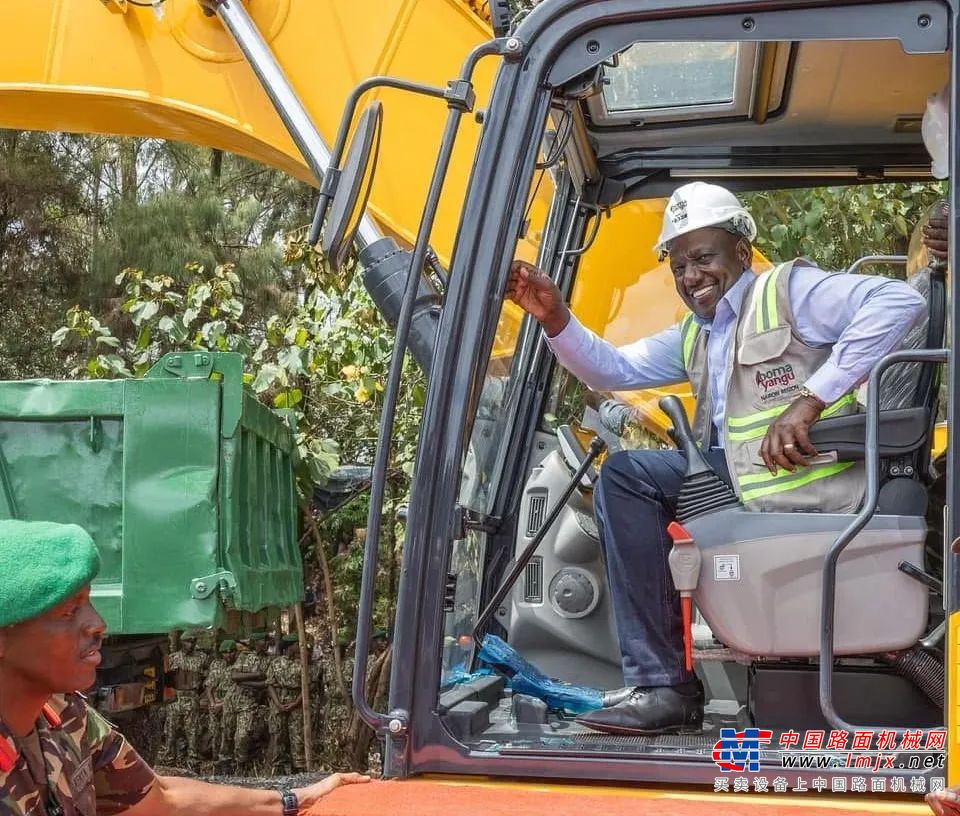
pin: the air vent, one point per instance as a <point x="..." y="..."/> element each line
<point x="533" y="581"/>
<point x="536" y="513"/>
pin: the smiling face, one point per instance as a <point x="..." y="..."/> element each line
<point x="57" y="652"/>
<point x="705" y="264"/>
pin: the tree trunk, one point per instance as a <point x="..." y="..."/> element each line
<point x="129" y="152"/>
<point x="360" y="735"/>
<point x="331" y="605"/>
<point x="216" y="165"/>
<point x="305" y="689"/>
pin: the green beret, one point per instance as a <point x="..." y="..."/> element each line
<point x="380" y="634"/>
<point x="41" y="565"/>
<point x="191" y="636"/>
<point x="290" y="639"/>
<point x="258" y="636"/>
<point x="228" y="646"/>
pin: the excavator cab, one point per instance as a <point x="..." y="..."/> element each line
<point x="805" y="620"/>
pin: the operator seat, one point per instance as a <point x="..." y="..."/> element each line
<point x="760" y="579"/>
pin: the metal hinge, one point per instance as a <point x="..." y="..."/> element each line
<point x="203" y="588"/>
<point x="466" y="519"/>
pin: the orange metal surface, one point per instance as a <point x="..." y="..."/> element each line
<point x="433" y="797"/>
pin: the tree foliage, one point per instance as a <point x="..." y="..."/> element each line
<point x="834" y="226"/>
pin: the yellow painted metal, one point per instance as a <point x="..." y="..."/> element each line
<point x="81" y="66"/>
<point x="953" y="700"/>
<point x="939" y="439"/>
<point x="800" y="804"/>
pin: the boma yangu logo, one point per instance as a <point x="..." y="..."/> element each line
<point x="777" y="376"/>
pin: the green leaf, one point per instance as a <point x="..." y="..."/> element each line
<point x="143" y="339"/>
<point x="290" y="358"/>
<point x="267" y="376"/>
<point x="288" y="398"/>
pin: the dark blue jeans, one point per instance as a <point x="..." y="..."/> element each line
<point x="634" y="501"/>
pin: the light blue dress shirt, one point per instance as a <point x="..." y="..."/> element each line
<point x="863" y="317"/>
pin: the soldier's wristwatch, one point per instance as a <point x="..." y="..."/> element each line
<point x="291" y="805"/>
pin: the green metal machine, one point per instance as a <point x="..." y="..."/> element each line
<point x="184" y="480"/>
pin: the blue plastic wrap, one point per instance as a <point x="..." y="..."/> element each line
<point x="525" y="678"/>
<point x="458" y="676"/>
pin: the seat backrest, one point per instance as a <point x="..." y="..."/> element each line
<point x="912" y="385"/>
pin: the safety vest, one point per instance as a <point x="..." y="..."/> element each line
<point x="767" y="367"/>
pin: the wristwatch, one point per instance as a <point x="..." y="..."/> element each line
<point x="806" y="392"/>
<point x="291" y="805"/>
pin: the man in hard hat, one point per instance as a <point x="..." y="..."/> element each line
<point x="57" y="754"/>
<point x="766" y="355"/>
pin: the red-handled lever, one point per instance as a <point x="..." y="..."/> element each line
<point x="684" y="561"/>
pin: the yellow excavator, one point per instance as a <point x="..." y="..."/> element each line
<point x="168" y="70"/>
<point x="561" y="158"/>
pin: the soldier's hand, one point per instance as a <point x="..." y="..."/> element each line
<point x="533" y="291"/>
<point x="944" y="802"/>
<point x="318" y="790"/>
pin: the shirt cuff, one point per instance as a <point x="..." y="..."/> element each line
<point x="570" y="338"/>
<point x="829" y="382"/>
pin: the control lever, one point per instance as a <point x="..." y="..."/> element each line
<point x="684" y="562"/>
<point x="922" y="576"/>
<point x="702" y="491"/>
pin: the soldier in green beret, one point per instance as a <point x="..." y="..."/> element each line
<point x="50" y="638"/>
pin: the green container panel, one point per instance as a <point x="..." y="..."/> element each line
<point x="179" y="477"/>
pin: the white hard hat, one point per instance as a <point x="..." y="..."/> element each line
<point x="935" y="129"/>
<point x="697" y="205"/>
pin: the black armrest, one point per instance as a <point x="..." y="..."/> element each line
<point x="902" y="431"/>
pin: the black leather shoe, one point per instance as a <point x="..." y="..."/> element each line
<point x="651" y="711"/>
<point x="614" y="697"/>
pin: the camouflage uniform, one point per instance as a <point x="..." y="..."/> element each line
<point x="91" y="769"/>
<point x="285" y="726"/>
<point x="246" y="704"/>
<point x="184" y="711"/>
<point x="230" y="693"/>
<point x="218" y="675"/>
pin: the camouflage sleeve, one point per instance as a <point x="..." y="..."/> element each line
<point x="121" y="777"/>
<point x="272" y="675"/>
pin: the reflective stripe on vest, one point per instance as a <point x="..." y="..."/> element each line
<point x="765" y="300"/>
<point x="688" y="331"/>
<point x="755" y="425"/>
<point x="766" y="484"/>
